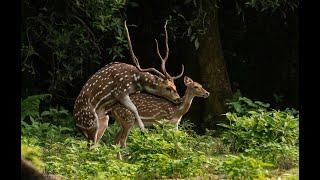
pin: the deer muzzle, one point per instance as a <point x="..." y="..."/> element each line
<point x="178" y="100"/>
<point x="206" y="94"/>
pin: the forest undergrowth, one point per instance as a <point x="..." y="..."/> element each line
<point x="255" y="142"/>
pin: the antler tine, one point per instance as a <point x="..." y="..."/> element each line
<point x="180" y="75"/>
<point x="164" y="60"/>
<point x="166" y="38"/>
<point x="133" y="56"/>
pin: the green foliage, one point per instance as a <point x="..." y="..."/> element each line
<point x="57" y="116"/>
<point x="262" y="127"/>
<point x="30" y="106"/>
<point x="32" y="154"/>
<point x="67" y="155"/>
<point x="63" y="42"/>
<point x="53" y="115"/>
<point x="243" y="167"/>
<point x="282" y="155"/>
<point x="160" y="156"/>
<point x="194" y="25"/>
<point x="106" y="18"/>
<point x="271" y="135"/>
<point x="162" y="152"/>
<point x="242" y="105"/>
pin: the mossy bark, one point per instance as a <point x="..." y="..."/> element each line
<point x="213" y="74"/>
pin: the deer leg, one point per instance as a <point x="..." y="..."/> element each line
<point x="124" y="135"/>
<point x="119" y="121"/>
<point x="103" y="124"/>
<point x="126" y="130"/>
<point x="126" y="122"/>
<point x="177" y="126"/>
<point x="126" y="101"/>
<point x="117" y="141"/>
<point x="118" y="137"/>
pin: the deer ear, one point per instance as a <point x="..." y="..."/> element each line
<point x="187" y="80"/>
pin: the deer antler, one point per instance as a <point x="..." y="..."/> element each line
<point x="164" y="60"/>
<point x="180" y="75"/>
<point x="135" y="59"/>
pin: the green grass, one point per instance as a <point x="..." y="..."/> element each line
<point x="256" y="143"/>
<point x="162" y="153"/>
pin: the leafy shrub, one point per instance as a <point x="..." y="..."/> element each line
<point x="161" y="153"/>
<point x="65" y="154"/>
<point x="243" y="167"/>
<point x="30" y="106"/>
<point x="283" y="155"/>
<point x="261" y="127"/>
<point x="242" y="105"/>
<point x="57" y="116"/>
<point x="65" y="42"/>
<point x="164" y="152"/>
<point x="271" y="135"/>
<point x="58" y="148"/>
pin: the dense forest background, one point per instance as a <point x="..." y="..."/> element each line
<point x="228" y="46"/>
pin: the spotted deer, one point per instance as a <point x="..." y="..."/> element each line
<point x="113" y="84"/>
<point x="152" y="109"/>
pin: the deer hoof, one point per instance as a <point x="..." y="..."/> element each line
<point x="142" y="129"/>
<point x="119" y="156"/>
<point x="143" y="134"/>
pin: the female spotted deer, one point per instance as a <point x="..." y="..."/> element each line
<point x="152" y="109"/>
<point x="113" y="83"/>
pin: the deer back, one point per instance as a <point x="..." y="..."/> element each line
<point x="150" y="108"/>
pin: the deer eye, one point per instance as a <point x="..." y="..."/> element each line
<point x="168" y="88"/>
<point x="197" y="87"/>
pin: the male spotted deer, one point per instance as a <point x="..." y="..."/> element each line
<point x="114" y="83"/>
<point x="152" y="109"/>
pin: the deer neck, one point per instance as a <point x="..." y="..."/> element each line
<point x="184" y="107"/>
<point x="145" y="81"/>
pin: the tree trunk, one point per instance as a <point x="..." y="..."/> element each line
<point x="213" y="74"/>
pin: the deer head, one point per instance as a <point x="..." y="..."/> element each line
<point x="195" y="88"/>
<point x="163" y="85"/>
